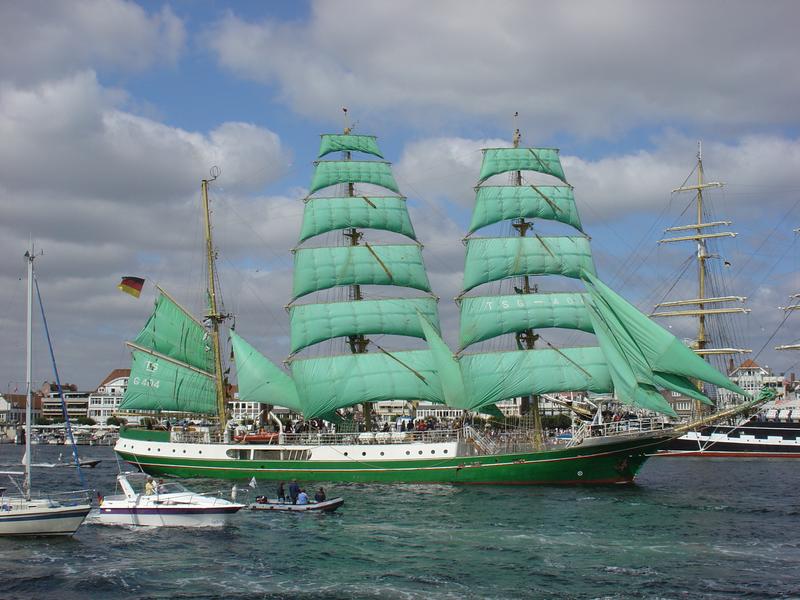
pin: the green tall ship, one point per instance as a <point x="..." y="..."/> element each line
<point x="340" y="298"/>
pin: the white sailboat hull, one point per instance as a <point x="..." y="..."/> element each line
<point x="40" y="517"/>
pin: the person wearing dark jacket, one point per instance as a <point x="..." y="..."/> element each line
<point x="281" y="493"/>
<point x="320" y="495"/>
<point x="294" y="491"/>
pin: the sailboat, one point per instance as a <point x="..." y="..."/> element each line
<point x="176" y="357"/>
<point x="48" y="514"/>
<point x="745" y="436"/>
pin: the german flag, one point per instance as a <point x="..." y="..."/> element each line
<point x="131" y="285"/>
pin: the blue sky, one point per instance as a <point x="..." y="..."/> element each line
<point x="112" y="111"/>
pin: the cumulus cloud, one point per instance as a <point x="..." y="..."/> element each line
<point x="42" y="40"/>
<point x="585" y="68"/>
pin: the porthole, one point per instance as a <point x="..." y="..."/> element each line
<point x="173" y="450"/>
<point x="445" y="451"/>
<point x="407" y="452"/>
<point x="433" y="451"/>
<point x="148" y="449"/>
<point x="363" y="454"/>
<point x="184" y="451"/>
<point x="420" y="451"/>
<point x="345" y="453"/>
<point x="381" y="453"/>
<point x="200" y="452"/>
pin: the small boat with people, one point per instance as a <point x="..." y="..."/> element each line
<point x="153" y="503"/>
<point x="264" y="503"/>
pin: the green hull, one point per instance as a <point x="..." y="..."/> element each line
<point x="612" y="462"/>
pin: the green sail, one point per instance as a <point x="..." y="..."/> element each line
<point x="494" y="376"/>
<point x="498" y="203"/>
<point x="332" y="142"/>
<point x="161" y="384"/>
<point x="503" y="160"/>
<point x="663" y="353"/>
<point x="314" y="323"/>
<point x="261" y="380"/>
<point x="322" y="268"/>
<point x="631" y="382"/>
<point x="388" y="213"/>
<point x="485" y="317"/>
<point x="490" y="259"/>
<point x="332" y="172"/>
<point x="173" y="332"/>
<point x="326" y="384"/>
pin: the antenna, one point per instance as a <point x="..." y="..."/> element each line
<point x="215" y="172"/>
<point x="347" y="127"/>
<point x="517" y="136"/>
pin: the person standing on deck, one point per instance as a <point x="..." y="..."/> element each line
<point x="281" y="493"/>
<point x="294" y="491"/>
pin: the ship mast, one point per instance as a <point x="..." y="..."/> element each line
<point x="213" y="315"/>
<point x="702" y="232"/>
<point x="791" y="308"/>
<point x="358" y="343"/>
<point x="527" y="338"/>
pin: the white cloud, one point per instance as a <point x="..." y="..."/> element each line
<point x="581" y="67"/>
<point x="42" y="40"/>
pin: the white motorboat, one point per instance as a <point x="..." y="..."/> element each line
<point x="147" y="502"/>
<point x="47" y="514"/>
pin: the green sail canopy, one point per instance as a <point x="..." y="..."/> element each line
<point x="173" y="332"/>
<point x="485" y="317"/>
<point x="161" y="384"/>
<point x="326" y="384"/>
<point x="504" y="160"/>
<point x="261" y="380"/>
<point x="333" y="172"/>
<point x="314" y="323"/>
<point x="498" y="203"/>
<point x="649" y="347"/>
<point x="332" y="142"/>
<point x="495" y="376"/>
<point x="491" y="259"/>
<point x="392" y="264"/>
<point x="388" y="213"/>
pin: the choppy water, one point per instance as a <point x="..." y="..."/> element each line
<point x="687" y="529"/>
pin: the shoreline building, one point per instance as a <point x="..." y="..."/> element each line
<point x="105" y="400"/>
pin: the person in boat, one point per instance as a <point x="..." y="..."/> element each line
<point x="281" y="493"/>
<point x="320" y="495"/>
<point x="149" y="487"/>
<point x="302" y="497"/>
<point x="294" y="491"/>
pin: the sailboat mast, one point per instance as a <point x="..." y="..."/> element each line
<point x="701" y="253"/>
<point x="358" y="343"/>
<point x="527" y="337"/>
<point x="213" y="313"/>
<point x="29" y="257"/>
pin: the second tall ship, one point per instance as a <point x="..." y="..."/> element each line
<point x="340" y="299"/>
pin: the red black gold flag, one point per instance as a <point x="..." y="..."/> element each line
<point x="131" y="285"/>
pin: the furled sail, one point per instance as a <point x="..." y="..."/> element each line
<point x="333" y="172"/>
<point x="498" y="203"/>
<point x="326" y="384"/>
<point x="504" y="160"/>
<point x="175" y="333"/>
<point x="648" y="347"/>
<point x="339" y="142"/>
<point x="485" y="317"/>
<point x="391" y="264"/>
<point x="388" y="213"/>
<point x="159" y="383"/>
<point x="491" y="259"/>
<point x="314" y="323"/>
<point x="261" y="380"/>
